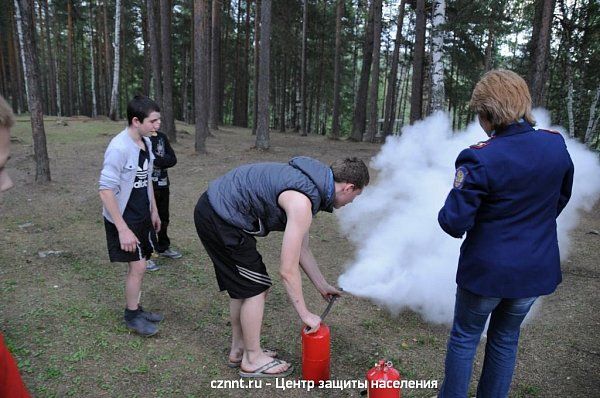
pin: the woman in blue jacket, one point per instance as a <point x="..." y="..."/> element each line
<point x="506" y="195"/>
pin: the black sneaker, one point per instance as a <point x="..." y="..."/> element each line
<point x="151" y="316"/>
<point x="141" y="326"/>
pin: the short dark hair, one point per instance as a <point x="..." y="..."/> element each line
<point x="351" y="170"/>
<point x="140" y="107"/>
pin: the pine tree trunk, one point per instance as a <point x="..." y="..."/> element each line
<point x="51" y="63"/>
<point x="256" y="65"/>
<point x="168" y="118"/>
<point x="359" y="121"/>
<point x="92" y="69"/>
<point x="416" y="97"/>
<point x="303" y="129"/>
<point x="113" y="112"/>
<point x="42" y="170"/>
<point x="390" y="102"/>
<point x="335" y="125"/>
<point x="147" y="77"/>
<point x="215" y="66"/>
<point x="570" y="100"/>
<point x="155" y="56"/>
<point x="540" y="51"/>
<point x="262" y="128"/>
<point x="437" y="75"/>
<point x="374" y="87"/>
<point x="201" y="93"/>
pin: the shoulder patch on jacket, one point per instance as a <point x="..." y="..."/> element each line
<point x="551" y="131"/>
<point x="480" y="144"/>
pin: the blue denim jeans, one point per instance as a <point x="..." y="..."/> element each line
<point x="470" y="314"/>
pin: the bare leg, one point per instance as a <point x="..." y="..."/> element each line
<point x="251" y="316"/>
<point x="237" y="341"/>
<point x="133" y="283"/>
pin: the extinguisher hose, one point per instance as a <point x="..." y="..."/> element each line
<point x="324" y="314"/>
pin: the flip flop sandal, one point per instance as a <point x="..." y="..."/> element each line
<point x="260" y="372"/>
<point x="237" y="364"/>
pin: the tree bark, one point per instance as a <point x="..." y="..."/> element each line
<point x="167" y="116"/>
<point x="374" y="87"/>
<point x="155" y="56"/>
<point x="20" y="33"/>
<point x="303" y="129"/>
<point x="592" y="119"/>
<point x="256" y="65"/>
<point x="416" y="97"/>
<point x="52" y="81"/>
<point x="437" y="75"/>
<point x="392" y="90"/>
<point x="335" y="124"/>
<point x="359" y="121"/>
<point x="42" y="170"/>
<point x="215" y="66"/>
<point x="113" y="112"/>
<point x="92" y="68"/>
<point x="201" y="94"/>
<point x="262" y="128"/>
<point x="540" y="46"/>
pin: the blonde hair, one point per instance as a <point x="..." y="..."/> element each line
<point x="7" y="118"/>
<point x="502" y="97"/>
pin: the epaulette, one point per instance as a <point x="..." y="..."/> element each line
<point x="480" y="144"/>
<point x="551" y="131"/>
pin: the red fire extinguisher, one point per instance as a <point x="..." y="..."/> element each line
<point x="383" y="381"/>
<point x="316" y="353"/>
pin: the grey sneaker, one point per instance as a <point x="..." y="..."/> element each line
<point x="151" y="316"/>
<point x="170" y="253"/>
<point x="151" y="266"/>
<point x="142" y="326"/>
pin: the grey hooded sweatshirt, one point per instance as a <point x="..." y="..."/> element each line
<point x="246" y="197"/>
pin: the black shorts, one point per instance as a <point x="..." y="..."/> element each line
<point x="145" y="233"/>
<point x="238" y="265"/>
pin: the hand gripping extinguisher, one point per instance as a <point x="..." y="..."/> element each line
<point x="316" y="353"/>
<point x="383" y="381"/>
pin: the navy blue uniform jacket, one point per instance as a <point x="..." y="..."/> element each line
<point x="507" y="194"/>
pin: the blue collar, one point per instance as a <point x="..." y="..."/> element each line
<point x="520" y="126"/>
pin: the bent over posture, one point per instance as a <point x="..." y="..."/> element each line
<point x="253" y="200"/>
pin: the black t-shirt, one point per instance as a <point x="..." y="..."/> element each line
<point x="138" y="206"/>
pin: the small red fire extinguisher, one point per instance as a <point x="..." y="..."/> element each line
<point x="383" y="381"/>
<point x="316" y="352"/>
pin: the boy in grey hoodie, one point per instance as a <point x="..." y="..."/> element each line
<point x="130" y="215"/>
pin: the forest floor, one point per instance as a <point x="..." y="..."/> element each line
<point x="62" y="314"/>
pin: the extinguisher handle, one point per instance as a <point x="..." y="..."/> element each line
<point x="331" y="302"/>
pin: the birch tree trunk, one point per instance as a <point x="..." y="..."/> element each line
<point x="262" y="128"/>
<point x="390" y="101"/>
<point x="42" y="169"/>
<point x="570" y="101"/>
<point x="437" y="73"/>
<point x="116" y="46"/>
<point x="359" y="119"/>
<point x="201" y="93"/>
<point x="593" y="119"/>
<point x="19" y="21"/>
<point x="374" y="87"/>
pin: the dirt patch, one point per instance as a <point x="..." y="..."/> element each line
<point x="61" y="314"/>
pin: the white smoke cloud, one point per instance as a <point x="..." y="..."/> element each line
<point x="404" y="259"/>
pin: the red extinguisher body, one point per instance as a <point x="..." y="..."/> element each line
<point x="383" y="381"/>
<point x="316" y="354"/>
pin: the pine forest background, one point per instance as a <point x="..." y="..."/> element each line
<point x="351" y="69"/>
